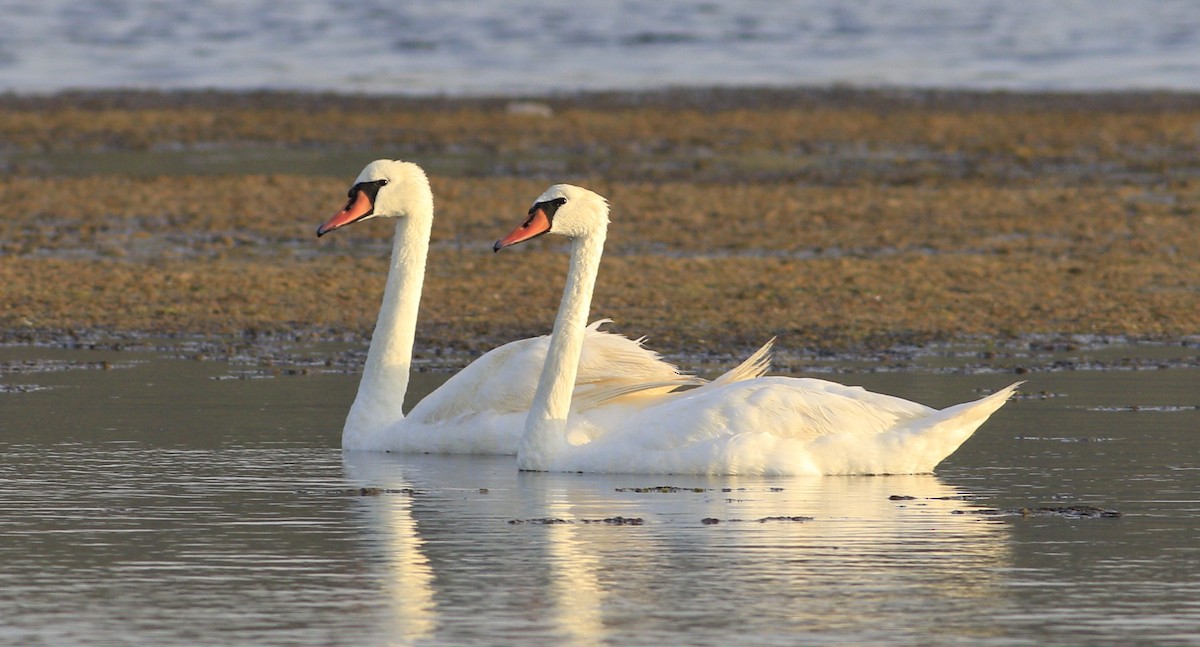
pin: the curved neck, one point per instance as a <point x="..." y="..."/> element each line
<point x="385" y="376"/>
<point x="546" y="426"/>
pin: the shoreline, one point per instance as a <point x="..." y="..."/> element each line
<point x="837" y="219"/>
<point x="710" y="98"/>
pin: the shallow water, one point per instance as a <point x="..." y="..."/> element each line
<point x="162" y="501"/>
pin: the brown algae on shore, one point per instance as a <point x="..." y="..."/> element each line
<point x="834" y="220"/>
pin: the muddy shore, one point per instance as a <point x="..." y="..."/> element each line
<point x="834" y="219"/>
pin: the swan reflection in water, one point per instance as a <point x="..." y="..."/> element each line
<point x="405" y="575"/>
<point x="470" y="547"/>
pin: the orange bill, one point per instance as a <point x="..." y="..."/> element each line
<point x="356" y="209"/>
<point x="536" y="225"/>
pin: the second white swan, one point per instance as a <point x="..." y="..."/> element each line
<point x="766" y="425"/>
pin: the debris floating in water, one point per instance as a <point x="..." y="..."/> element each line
<point x="712" y="521"/>
<point x="667" y="489"/>
<point x="952" y="497"/>
<point x="1065" y="439"/>
<point x="673" y="489"/>
<point x="552" y="521"/>
<point x="357" y="491"/>
<point x="1068" y="512"/>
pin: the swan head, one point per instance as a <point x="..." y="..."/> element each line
<point x="564" y="209"/>
<point x="384" y="189"/>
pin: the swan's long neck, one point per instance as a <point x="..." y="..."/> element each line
<point x="546" y="427"/>
<point x="385" y="376"/>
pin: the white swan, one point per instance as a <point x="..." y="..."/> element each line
<point x="766" y="425"/>
<point x="480" y="410"/>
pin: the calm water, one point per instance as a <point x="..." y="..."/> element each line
<point x="158" y="502"/>
<point x="538" y="46"/>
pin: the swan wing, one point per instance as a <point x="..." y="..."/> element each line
<point x="504" y="379"/>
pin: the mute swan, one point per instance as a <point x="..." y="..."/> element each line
<point x="480" y="410"/>
<point x="765" y="425"/>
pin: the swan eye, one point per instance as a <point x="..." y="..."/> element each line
<point x="548" y="207"/>
<point x="370" y="188"/>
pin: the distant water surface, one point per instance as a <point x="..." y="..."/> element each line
<point x="535" y="46"/>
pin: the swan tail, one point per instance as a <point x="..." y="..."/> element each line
<point x="981" y="409"/>
<point x="754" y="366"/>
<point x="915" y="446"/>
<point x="945" y="431"/>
